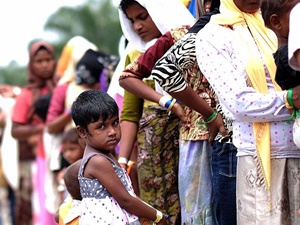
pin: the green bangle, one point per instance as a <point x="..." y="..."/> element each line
<point x="290" y="97"/>
<point x="211" y="117"/>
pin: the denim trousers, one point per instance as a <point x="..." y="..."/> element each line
<point x="224" y="162"/>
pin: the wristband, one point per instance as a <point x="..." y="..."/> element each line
<point x="123" y="160"/>
<point x="290" y="98"/>
<point x="159" y="216"/>
<point x="212" y="117"/>
<point x="163" y="101"/>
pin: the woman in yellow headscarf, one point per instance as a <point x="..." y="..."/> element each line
<point x="234" y="51"/>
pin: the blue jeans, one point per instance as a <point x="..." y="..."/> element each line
<point x="223" y="164"/>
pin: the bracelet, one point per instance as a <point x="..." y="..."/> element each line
<point x="212" y="117"/>
<point x="171" y="105"/>
<point x="163" y="101"/>
<point x="290" y="98"/>
<point x="159" y="216"/>
<point x="123" y="160"/>
<point x="168" y="103"/>
<point x="287" y="105"/>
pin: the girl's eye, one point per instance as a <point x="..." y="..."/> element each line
<point x="101" y="127"/>
<point x="116" y="122"/>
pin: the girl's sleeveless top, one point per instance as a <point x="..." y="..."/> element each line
<point x="98" y="205"/>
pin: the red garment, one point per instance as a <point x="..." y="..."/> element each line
<point x="21" y="110"/>
<point x="23" y="106"/>
<point x="148" y="59"/>
<point x="57" y="103"/>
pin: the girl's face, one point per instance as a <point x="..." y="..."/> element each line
<point x="43" y="64"/>
<point x="142" y="23"/>
<point x="104" y="135"/>
<point x="248" y="6"/>
<point x="72" y="151"/>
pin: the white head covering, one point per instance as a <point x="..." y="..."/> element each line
<point x="166" y="14"/>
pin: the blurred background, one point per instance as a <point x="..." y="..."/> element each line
<point x="55" y="21"/>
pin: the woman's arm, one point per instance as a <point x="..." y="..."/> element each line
<point x="24" y="131"/>
<point x="225" y="71"/>
<point x="57" y="118"/>
<point x="142" y="90"/>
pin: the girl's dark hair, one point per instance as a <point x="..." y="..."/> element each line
<point x="125" y="4"/>
<point x="270" y="7"/>
<point x="71" y="136"/>
<point x="91" y="105"/>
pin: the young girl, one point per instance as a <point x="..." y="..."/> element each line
<point x="69" y="211"/>
<point x="72" y="150"/>
<point x="106" y="189"/>
<point x="72" y="146"/>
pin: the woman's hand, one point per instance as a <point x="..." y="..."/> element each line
<point x="163" y="221"/>
<point x="178" y="111"/>
<point x="296" y="96"/>
<point x="217" y="125"/>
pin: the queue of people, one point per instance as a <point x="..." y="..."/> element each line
<point x="205" y="131"/>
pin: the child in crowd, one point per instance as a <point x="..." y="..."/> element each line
<point x="276" y="20"/>
<point x="72" y="150"/>
<point x="293" y="40"/>
<point x="107" y="193"/>
<point x="286" y="76"/>
<point x="68" y="212"/>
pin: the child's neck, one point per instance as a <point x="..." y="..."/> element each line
<point x="89" y="149"/>
<point x="282" y="41"/>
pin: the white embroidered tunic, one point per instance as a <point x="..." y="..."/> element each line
<point x="221" y="57"/>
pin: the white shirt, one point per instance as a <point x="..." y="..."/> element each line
<point x="294" y="36"/>
<point x="221" y="58"/>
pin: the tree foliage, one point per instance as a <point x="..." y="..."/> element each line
<point x="13" y="74"/>
<point x="96" y="20"/>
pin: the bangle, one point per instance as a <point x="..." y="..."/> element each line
<point x="171" y="105"/>
<point x="290" y="98"/>
<point x="168" y="103"/>
<point x="212" y="117"/>
<point x="164" y="100"/>
<point x="123" y="160"/>
<point x="159" y="216"/>
<point x="287" y="105"/>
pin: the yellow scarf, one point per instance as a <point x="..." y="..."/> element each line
<point x="266" y="42"/>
